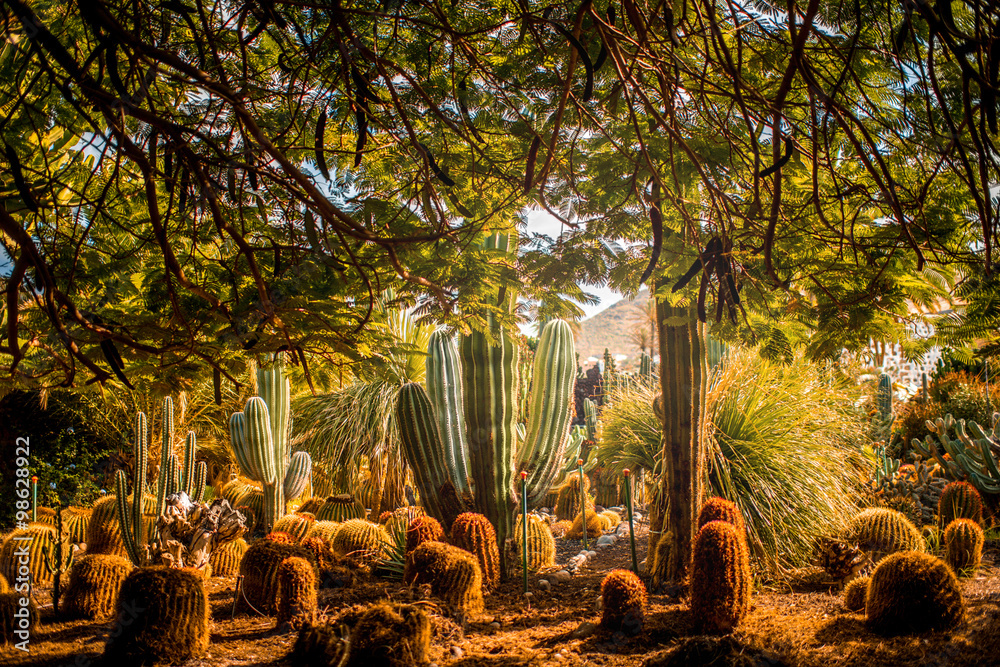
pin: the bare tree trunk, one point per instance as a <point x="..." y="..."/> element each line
<point x="683" y="371"/>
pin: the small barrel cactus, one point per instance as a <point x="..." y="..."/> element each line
<point x="963" y="546"/>
<point x="340" y="508"/>
<point x="37" y="537"/>
<point x="104" y="535"/>
<point x="623" y="598"/>
<point x="396" y="635"/>
<point x="560" y="528"/>
<point x="568" y="500"/>
<point x="323" y="529"/>
<point x="296" y="593"/>
<point x="321" y="644"/>
<point x="423" y="529"/>
<point x="720" y="509"/>
<point x="259" y="568"/>
<point x="168" y="609"/>
<point x="225" y="560"/>
<point x="75" y="522"/>
<point x="855" y="592"/>
<point x="959" y="500"/>
<point x="361" y="540"/>
<point x="720" y="578"/>
<point x="541" y="543"/>
<point x="912" y="592"/>
<point x="575" y="531"/>
<point x="879" y="531"/>
<point x="453" y="574"/>
<point x="93" y="587"/>
<point x="474" y="533"/>
<point x="295" y="525"/>
<point x="280" y="537"/>
<point x="613" y="518"/>
<point x="11" y="623"/>
<point x="311" y="505"/>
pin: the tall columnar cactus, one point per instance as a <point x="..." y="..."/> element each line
<point x="645" y="366"/>
<point x="444" y="390"/>
<point x="260" y="441"/>
<point x="550" y="411"/>
<point x="57" y="561"/>
<point x="959" y="500"/>
<point x="132" y="529"/>
<point x="973" y="457"/>
<point x="590" y="419"/>
<point x="883" y="398"/>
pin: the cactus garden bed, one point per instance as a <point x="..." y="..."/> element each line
<point x="789" y="623"/>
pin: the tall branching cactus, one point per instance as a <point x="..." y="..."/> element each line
<point x="132" y="529"/>
<point x="260" y="437"/>
<point x="973" y="457"/>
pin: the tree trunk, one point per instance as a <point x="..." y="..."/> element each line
<point x="683" y="371"/>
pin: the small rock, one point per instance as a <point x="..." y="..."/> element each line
<point x="592" y="554"/>
<point x="584" y="553"/>
<point x="558" y="656"/>
<point x="562" y="575"/>
<point x="622" y="529"/>
<point x="457" y="651"/>
<point x="495" y="625"/>
<point x="545" y="510"/>
<point x="606" y="541"/>
<point x="642" y="565"/>
<point x="544" y="584"/>
<point x="529" y="595"/>
<point x="600" y="603"/>
<point x="585" y="629"/>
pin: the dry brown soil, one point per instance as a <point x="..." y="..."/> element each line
<point x="789" y="624"/>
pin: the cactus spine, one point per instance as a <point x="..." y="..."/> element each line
<point x="56" y="563"/>
<point x="963" y="546"/>
<point x="260" y="442"/>
<point x="132" y="529"/>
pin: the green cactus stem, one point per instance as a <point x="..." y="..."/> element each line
<point x="56" y="562"/>
<point x="444" y="390"/>
<point x="973" y="457"/>
<point x="132" y="529"/>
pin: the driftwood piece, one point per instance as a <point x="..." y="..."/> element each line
<point x="190" y="532"/>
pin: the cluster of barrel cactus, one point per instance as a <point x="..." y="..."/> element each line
<point x="592" y="522"/>
<point x="168" y="612"/>
<point x="453" y="574"/>
<point x="259" y="568"/>
<point x="721" y="582"/>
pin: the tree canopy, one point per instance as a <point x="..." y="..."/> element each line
<point x="186" y="182"/>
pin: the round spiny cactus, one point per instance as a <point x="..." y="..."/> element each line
<point x="259" y="568"/>
<point x="11" y="619"/>
<point x="296" y="593"/>
<point x="568" y="500"/>
<point x="912" y="592"/>
<point x="575" y="531"/>
<point x="401" y="518"/>
<point x="879" y="531"/>
<point x="323" y="529"/>
<point x="340" y="508"/>
<point x="359" y="539"/>
<point x="38" y="537"/>
<point x="963" y="546"/>
<point x="225" y="560"/>
<point x="453" y="574"/>
<point x="104" y="534"/>
<point x="560" y="528"/>
<point x="75" y="523"/>
<point x="959" y="500"/>
<point x="720" y="509"/>
<point x="279" y="537"/>
<point x="423" y="529"/>
<point x="541" y="543"/>
<point x="623" y="598"/>
<point x="720" y="578"/>
<point x="295" y="525"/>
<point x="163" y="616"/>
<point x="855" y="592"/>
<point x="311" y="505"/>
<point x="612" y="517"/>
<point x="384" y="516"/>
<point x="474" y="533"/>
<point x="392" y="636"/>
<point x="321" y="644"/>
<point x="93" y="587"/>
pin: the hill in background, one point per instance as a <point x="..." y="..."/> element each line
<point x="613" y="328"/>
